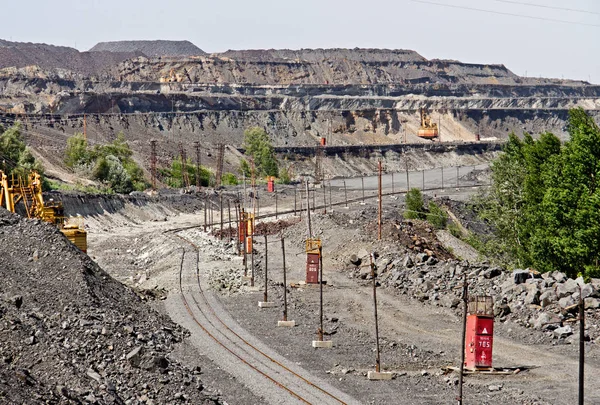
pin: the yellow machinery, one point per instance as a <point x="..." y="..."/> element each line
<point x="428" y="130"/>
<point x="30" y="194"/>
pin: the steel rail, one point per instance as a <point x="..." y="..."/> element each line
<point x="240" y="337"/>
<point x="189" y="310"/>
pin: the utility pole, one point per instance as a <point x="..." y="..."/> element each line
<point x="198" y="159"/>
<point x="374" y="276"/>
<point x="308" y="213"/>
<point x="285" y="308"/>
<point x="380" y="205"/>
<point x="153" y="163"/>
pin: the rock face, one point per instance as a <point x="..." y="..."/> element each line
<point x="150" y="48"/>
<point x="75" y="335"/>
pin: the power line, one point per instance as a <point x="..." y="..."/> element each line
<point x="548" y="7"/>
<point x="505" y="13"/>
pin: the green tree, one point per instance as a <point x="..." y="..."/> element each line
<point x="259" y="147"/>
<point x="436" y="216"/>
<point x="415" y="209"/>
<point x="544" y="202"/>
<point x="77" y="151"/>
<point x="15" y="157"/>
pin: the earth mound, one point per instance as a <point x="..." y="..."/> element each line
<point x="151" y="48"/>
<point x="73" y="334"/>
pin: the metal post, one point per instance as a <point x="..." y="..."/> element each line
<point x="252" y="255"/>
<point x="407" y="179"/>
<point x="237" y="223"/>
<point x="330" y="203"/>
<point x="229" y="217"/>
<point x="221" y="214"/>
<point x="244" y="201"/>
<point x="276" y="207"/>
<point x="308" y="213"/>
<point x="457" y="177"/>
<point x="442" y="178"/>
<point x="284" y="281"/>
<point x="581" y="347"/>
<point x="373" y="276"/>
<point x="362" y="180"/>
<point x="266" y="269"/>
<point x="345" y="194"/>
<point x="295" y="200"/>
<point x="314" y="207"/>
<point x="380" y="195"/>
<point x="205" y="203"/>
<point x="392" y="182"/>
<point x="320" y="332"/>
<point x="324" y="197"/>
<point x="464" y="338"/>
<point x="423" y="184"/>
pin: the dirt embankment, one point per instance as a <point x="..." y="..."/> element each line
<point x="72" y="334"/>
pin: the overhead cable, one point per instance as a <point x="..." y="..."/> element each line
<point x="505" y="13"/>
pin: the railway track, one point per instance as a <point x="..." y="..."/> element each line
<point x="298" y="388"/>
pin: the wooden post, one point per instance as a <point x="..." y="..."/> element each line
<point x="345" y="193"/>
<point x="221" y="215"/>
<point x="308" y="213"/>
<point x="320" y="332"/>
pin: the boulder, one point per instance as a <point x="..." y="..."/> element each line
<point x="431" y="261"/>
<point x="493" y="272"/>
<point x="563" y="332"/>
<point x="501" y="309"/>
<point x="566" y="302"/>
<point x="591" y="303"/>
<point x="135" y="356"/>
<point x="559" y="277"/>
<point x="548" y="297"/>
<point x="542" y="321"/>
<point x="567" y="288"/>
<point x="408" y="262"/>
<point x="533" y="297"/>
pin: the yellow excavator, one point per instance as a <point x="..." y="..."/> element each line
<point x="29" y="192"/>
<point x="429" y="129"/>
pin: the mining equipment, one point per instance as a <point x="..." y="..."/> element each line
<point x="429" y="129"/>
<point x="29" y="192"/>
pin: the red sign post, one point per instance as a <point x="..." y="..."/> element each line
<point x="480" y="333"/>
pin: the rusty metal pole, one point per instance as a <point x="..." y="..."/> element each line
<point x="229" y="217"/>
<point x="276" y="207"/>
<point x="373" y="276"/>
<point x="221" y="214"/>
<point x="423" y="183"/>
<point x="237" y="225"/>
<point x="308" y="213"/>
<point x="324" y="197"/>
<point x="392" y="182"/>
<point x="252" y="254"/>
<point x="266" y="269"/>
<point x="205" y="208"/>
<point x="295" y="200"/>
<point x="464" y="338"/>
<point x="407" y="177"/>
<point x="362" y="180"/>
<point x="442" y="178"/>
<point x="345" y="194"/>
<point x="284" y="281"/>
<point x="380" y="203"/>
<point x="314" y="207"/>
<point x="457" y="167"/>
<point x="330" y="202"/>
<point x="581" y="348"/>
<point x="320" y="333"/>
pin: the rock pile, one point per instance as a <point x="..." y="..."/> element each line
<point x="546" y="302"/>
<point x="72" y="334"/>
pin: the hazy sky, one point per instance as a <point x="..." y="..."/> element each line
<point x="524" y="45"/>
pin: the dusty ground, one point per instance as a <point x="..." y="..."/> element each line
<point x="417" y="339"/>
